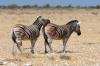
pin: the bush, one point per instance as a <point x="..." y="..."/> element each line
<point x="12" y="6"/>
<point x="58" y="6"/>
<point x="46" y="6"/>
<point x="26" y="6"/>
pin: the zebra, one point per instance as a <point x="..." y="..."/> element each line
<point x="59" y="32"/>
<point x="24" y="32"/>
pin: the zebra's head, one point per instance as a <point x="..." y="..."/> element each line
<point x="42" y="20"/>
<point x="45" y="21"/>
<point x="75" y="26"/>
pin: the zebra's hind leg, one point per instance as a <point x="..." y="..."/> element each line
<point x="14" y="49"/>
<point x="19" y="48"/>
<point x="19" y="44"/>
<point x="32" y="45"/>
<point x="49" y="44"/>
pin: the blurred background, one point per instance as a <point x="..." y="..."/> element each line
<point x="49" y="3"/>
<point x="80" y="51"/>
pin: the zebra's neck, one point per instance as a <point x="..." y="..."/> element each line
<point x="71" y="28"/>
<point x="39" y="25"/>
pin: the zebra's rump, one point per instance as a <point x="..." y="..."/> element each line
<point x="25" y="32"/>
<point x="55" y="31"/>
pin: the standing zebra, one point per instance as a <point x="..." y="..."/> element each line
<point x="60" y="32"/>
<point x="23" y="32"/>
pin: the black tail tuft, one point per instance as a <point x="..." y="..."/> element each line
<point x="44" y="34"/>
<point x="14" y="38"/>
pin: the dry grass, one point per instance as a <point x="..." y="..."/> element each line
<point x="83" y="50"/>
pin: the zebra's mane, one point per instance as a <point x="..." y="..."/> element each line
<point x="72" y="21"/>
<point x="37" y="20"/>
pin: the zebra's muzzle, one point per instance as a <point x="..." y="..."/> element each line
<point x="79" y="33"/>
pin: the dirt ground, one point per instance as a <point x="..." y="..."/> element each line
<point x="81" y="50"/>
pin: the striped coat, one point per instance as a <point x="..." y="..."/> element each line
<point x="56" y="32"/>
<point x="60" y="32"/>
<point x="26" y="32"/>
<point x="23" y="32"/>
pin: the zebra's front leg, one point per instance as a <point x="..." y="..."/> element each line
<point x="32" y="45"/>
<point x="64" y="44"/>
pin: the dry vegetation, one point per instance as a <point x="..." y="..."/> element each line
<point x="81" y="51"/>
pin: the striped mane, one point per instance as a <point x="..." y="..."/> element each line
<point x="37" y="20"/>
<point x="72" y="21"/>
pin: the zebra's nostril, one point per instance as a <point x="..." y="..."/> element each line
<point x="79" y="33"/>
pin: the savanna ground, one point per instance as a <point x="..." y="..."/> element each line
<point x="81" y="50"/>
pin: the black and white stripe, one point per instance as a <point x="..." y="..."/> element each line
<point x="60" y="32"/>
<point x="23" y="32"/>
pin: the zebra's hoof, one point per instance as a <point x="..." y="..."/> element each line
<point x="46" y="52"/>
<point x="32" y="51"/>
<point x="63" y="51"/>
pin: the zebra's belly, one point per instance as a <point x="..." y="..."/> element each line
<point x="55" y="36"/>
<point x="29" y="38"/>
<point x="25" y="38"/>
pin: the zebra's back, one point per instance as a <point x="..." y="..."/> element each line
<point x="26" y="32"/>
<point x="56" y="31"/>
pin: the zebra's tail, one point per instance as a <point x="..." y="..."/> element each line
<point x="45" y="38"/>
<point x="14" y="38"/>
<point x="47" y="42"/>
<point x="14" y="44"/>
<point x="44" y="33"/>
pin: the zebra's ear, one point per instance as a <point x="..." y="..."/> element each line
<point x="48" y="20"/>
<point x="39" y="17"/>
<point x="78" y="23"/>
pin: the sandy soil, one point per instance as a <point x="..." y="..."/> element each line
<point x="81" y="50"/>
